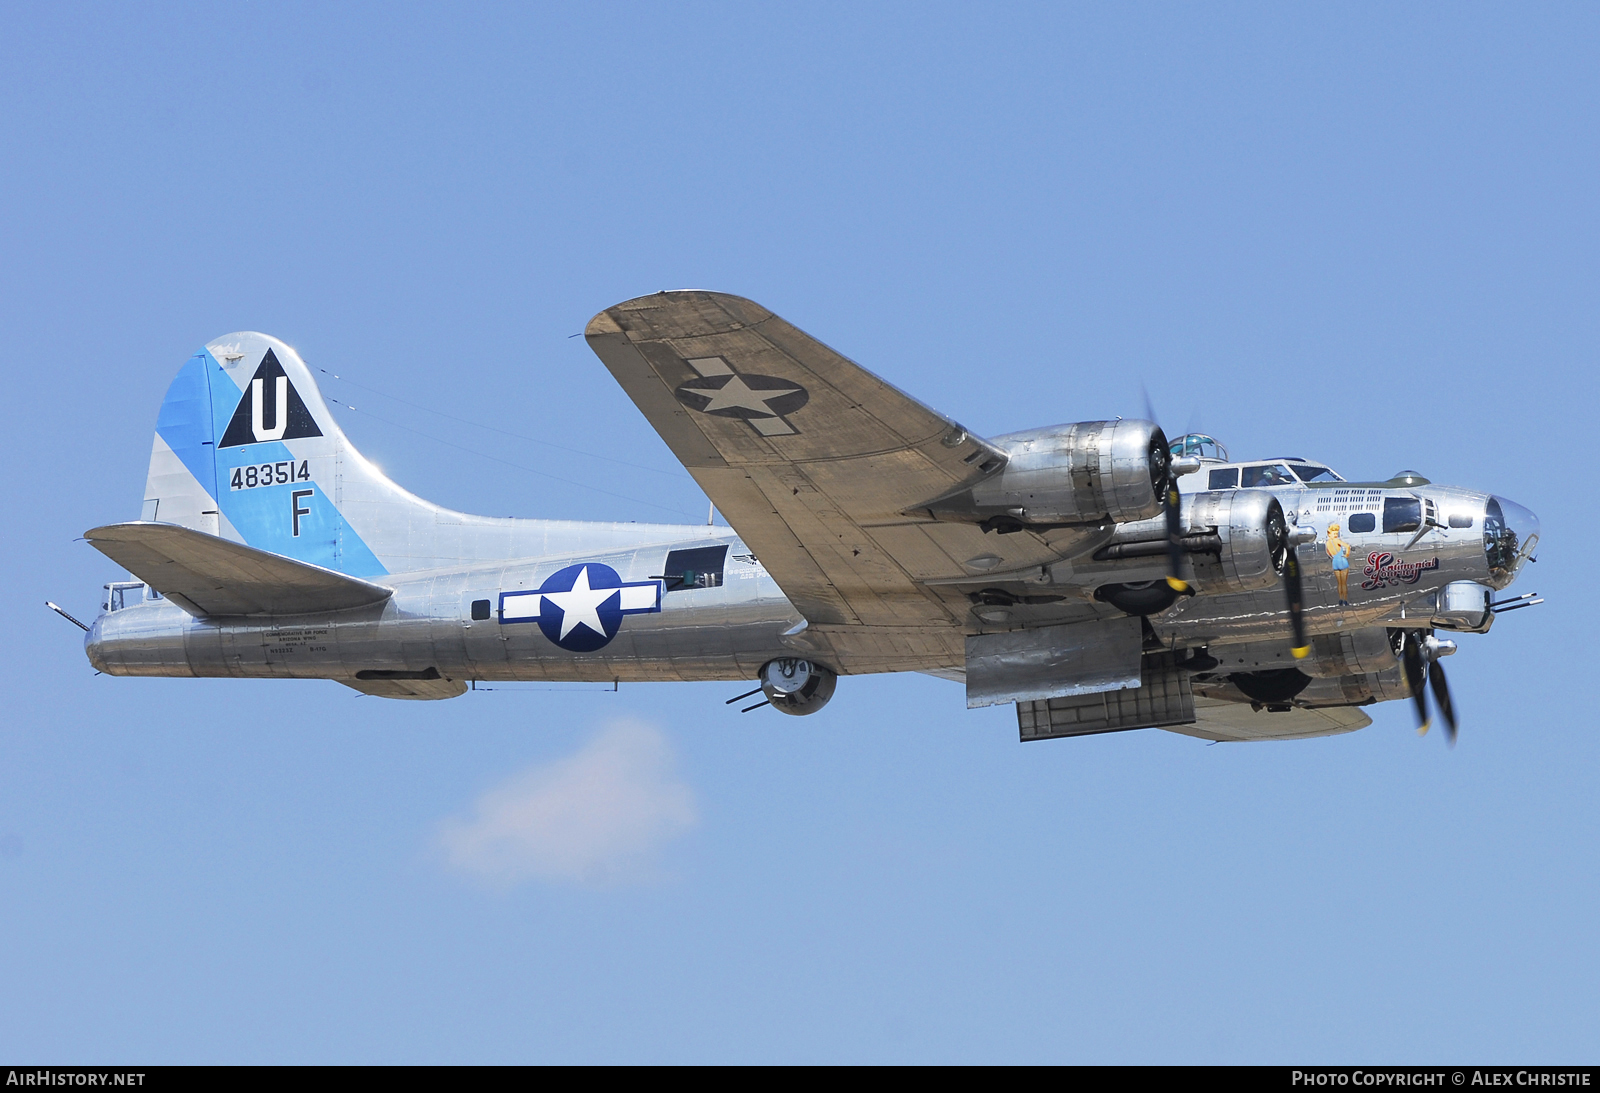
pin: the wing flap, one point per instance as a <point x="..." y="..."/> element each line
<point x="207" y="575"/>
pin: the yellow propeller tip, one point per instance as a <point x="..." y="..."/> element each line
<point x="1302" y="652"/>
<point x="1423" y="731"/>
<point x="1178" y="585"/>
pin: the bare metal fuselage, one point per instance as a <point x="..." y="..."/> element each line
<point x="724" y="632"/>
<point x="727" y="632"/>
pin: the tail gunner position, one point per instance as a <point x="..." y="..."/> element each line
<point x="1092" y="574"/>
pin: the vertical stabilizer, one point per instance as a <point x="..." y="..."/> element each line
<point x="245" y="448"/>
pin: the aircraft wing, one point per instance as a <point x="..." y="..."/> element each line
<point x="207" y="575"/>
<point x="1217" y="719"/>
<point x="815" y="462"/>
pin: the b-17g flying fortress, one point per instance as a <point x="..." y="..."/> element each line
<point x="1097" y="575"/>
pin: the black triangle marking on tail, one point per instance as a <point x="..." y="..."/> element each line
<point x="290" y="416"/>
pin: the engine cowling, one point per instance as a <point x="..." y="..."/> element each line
<point x="1068" y="475"/>
<point x="1252" y="540"/>
<point x="1235" y="540"/>
<point x="796" y="686"/>
<point x="1358" y="651"/>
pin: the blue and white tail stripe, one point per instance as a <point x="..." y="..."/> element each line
<point x="275" y="494"/>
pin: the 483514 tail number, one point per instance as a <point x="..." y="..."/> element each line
<point x="270" y="474"/>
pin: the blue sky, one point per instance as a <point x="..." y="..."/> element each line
<point x="1353" y="232"/>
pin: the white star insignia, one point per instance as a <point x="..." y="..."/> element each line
<point x="579" y="604"/>
<point x="737" y="395"/>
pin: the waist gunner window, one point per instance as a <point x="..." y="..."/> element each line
<point x="700" y="567"/>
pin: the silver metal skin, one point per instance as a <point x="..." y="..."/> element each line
<point x="1348" y="652"/>
<point x="1394" y="578"/>
<point x="1053" y="662"/>
<point x="1465" y="606"/>
<point x="1085" y="473"/>
<point x="1249" y="558"/>
<point x="725" y="632"/>
<point x="873" y="534"/>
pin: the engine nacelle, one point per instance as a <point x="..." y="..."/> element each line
<point x="1068" y="475"/>
<point x="1356" y="690"/>
<point x="1233" y="541"/>
<point x="1252" y="540"/>
<point x="1361" y="651"/>
<point x="796" y="686"/>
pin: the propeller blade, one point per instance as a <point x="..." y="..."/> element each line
<point x="1175" y="537"/>
<point x="1174" y="504"/>
<point x="1441" y="698"/>
<point x="1292" y="586"/>
<point x="1416" y="675"/>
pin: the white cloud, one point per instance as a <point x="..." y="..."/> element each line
<point x="595" y="818"/>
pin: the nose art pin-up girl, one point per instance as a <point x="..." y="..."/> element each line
<point x="1339" y="555"/>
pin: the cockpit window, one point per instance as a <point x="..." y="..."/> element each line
<point x="1225" y="479"/>
<point x="1268" y="474"/>
<point x="1201" y="445"/>
<point x="1309" y="473"/>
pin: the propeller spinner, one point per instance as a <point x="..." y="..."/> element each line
<point x="1419" y="656"/>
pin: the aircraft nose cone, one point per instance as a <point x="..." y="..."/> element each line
<point x="1510" y="534"/>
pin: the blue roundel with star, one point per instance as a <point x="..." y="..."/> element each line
<point x="581" y="607"/>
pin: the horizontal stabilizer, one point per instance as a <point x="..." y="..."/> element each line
<point x="207" y="575"/>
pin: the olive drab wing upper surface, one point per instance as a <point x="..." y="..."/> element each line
<point x="814" y="460"/>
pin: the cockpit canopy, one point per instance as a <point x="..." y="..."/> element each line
<point x="1219" y="472"/>
<point x="1200" y="445"/>
<point x="1272" y="472"/>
